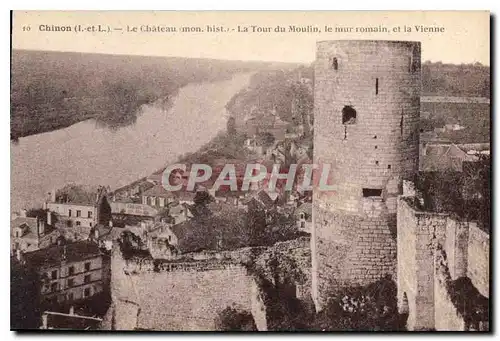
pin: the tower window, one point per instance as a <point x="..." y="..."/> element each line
<point x="348" y="115"/>
<point x="372" y="192"/>
<point x="376" y="86"/>
<point x="376" y="162"/>
<point x="335" y="63"/>
<point x="388" y="166"/>
<point x="401" y="123"/>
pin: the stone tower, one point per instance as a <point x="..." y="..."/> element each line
<point x="367" y="107"/>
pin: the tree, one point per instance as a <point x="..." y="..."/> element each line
<point x="265" y="139"/>
<point x="278" y="274"/>
<point x="234" y="319"/>
<point x="25" y="307"/>
<point x="231" y="126"/>
<point x="362" y="308"/>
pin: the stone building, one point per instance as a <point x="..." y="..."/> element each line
<point x="69" y="273"/>
<point x="367" y="105"/>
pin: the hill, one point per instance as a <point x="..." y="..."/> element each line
<point x="52" y="90"/>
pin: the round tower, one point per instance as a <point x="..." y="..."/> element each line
<point x="367" y="106"/>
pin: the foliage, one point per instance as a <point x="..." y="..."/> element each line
<point x="132" y="246"/>
<point x="278" y="274"/>
<point x="234" y="319"/>
<point x="231" y="126"/>
<point x="52" y="90"/>
<point x="271" y="226"/>
<point x="76" y="193"/>
<point x="362" y="308"/>
<point x="455" y="80"/>
<point x="273" y="89"/>
<point x="25" y="309"/>
<point x="466" y="194"/>
<point x="265" y="139"/>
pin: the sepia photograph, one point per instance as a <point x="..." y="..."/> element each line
<point x="250" y="171"/>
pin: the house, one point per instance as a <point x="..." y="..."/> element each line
<point x="180" y="213"/>
<point x="71" y="273"/>
<point x="167" y="241"/>
<point x="261" y="200"/>
<point x="440" y="157"/>
<point x="30" y="234"/>
<point x="158" y="196"/>
<point x="102" y="235"/>
<point x="304" y="217"/>
<point x="81" y="213"/>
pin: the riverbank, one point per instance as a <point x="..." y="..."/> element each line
<point x="85" y="153"/>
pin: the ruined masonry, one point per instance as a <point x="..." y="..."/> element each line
<point x="367" y="106"/>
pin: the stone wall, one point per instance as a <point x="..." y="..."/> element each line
<point x="353" y="241"/>
<point x="417" y="234"/>
<point x="190" y="300"/>
<point x="434" y="251"/>
<point x="478" y="265"/>
<point x="361" y="250"/>
<point x="185" y="296"/>
<point x="446" y="315"/>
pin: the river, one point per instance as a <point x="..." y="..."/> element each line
<point x="88" y="154"/>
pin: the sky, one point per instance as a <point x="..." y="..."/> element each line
<point x="465" y="39"/>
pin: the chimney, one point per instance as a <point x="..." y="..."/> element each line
<point x="110" y="223"/>
<point x="44" y="321"/>
<point x="45" y="206"/>
<point x="49" y="218"/>
<point x="96" y="233"/>
<point x="53" y="195"/>
<point x="19" y="255"/>
<point x="64" y="252"/>
<point x="72" y="310"/>
<point x="41" y="226"/>
<point x="22" y="213"/>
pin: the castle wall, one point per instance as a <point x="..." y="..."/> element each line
<point x="190" y="300"/>
<point x="446" y="315"/>
<point x="418" y="232"/>
<point x="184" y="297"/>
<point x="434" y="250"/>
<point x="354" y="241"/>
<point x="478" y="265"/>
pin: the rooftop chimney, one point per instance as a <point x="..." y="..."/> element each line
<point x="64" y="252"/>
<point x="52" y="195"/>
<point x="22" y="213"/>
<point x="19" y="255"/>
<point x="41" y="226"/>
<point x="110" y="223"/>
<point x="49" y="218"/>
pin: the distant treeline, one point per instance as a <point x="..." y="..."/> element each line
<point x="468" y="80"/>
<point x="52" y="90"/>
<point x="277" y="88"/>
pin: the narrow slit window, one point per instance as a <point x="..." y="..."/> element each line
<point x="335" y="63"/>
<point x="376" y="86"/>
<point x="372" y="192"/>
<point x="401" y="123"/>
